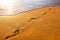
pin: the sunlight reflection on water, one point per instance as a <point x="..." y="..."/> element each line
<point x="10" y="7"/>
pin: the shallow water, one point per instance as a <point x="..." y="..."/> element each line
<point x="8" y="7"/>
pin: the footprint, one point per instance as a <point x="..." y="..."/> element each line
<point x="44" y="13"/>
<point x="31" y="19"/>
<point x="49" y="8"/>
<point x="14" y="34"/>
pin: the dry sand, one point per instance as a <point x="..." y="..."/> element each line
<point x="37" y="24"/>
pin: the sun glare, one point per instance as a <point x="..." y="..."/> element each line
<point x="11" y="7"/>
<point x="6" y="7"/>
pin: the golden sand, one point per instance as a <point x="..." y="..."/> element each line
<point x="37" y="24"/>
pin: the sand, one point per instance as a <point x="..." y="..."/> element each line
<point x="38" y="24"/>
